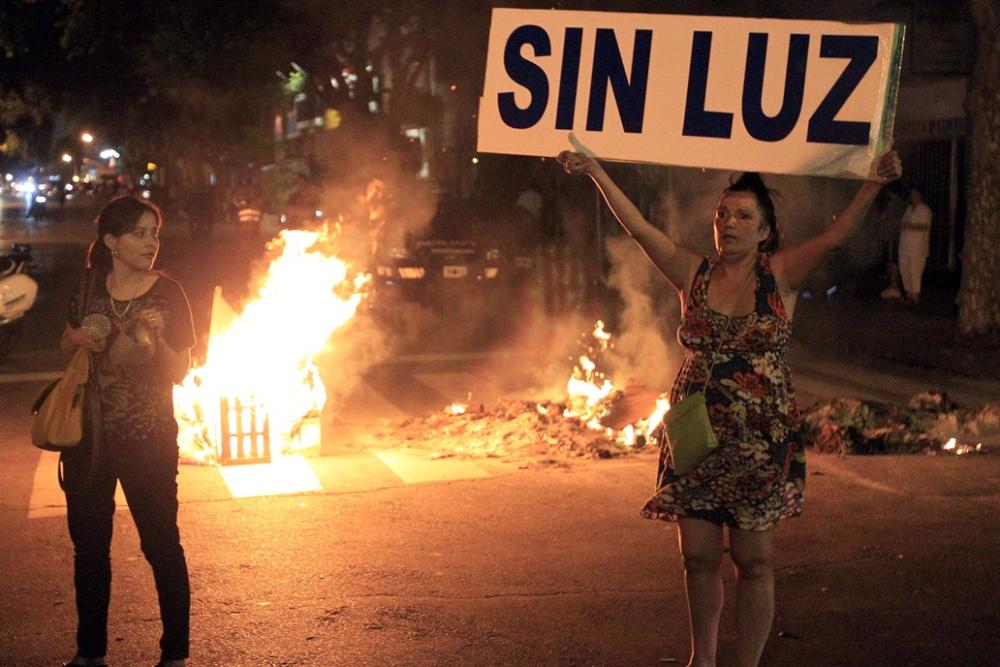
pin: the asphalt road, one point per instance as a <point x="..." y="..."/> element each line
<point x="389" y="558"/>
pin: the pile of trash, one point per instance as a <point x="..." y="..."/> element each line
<point x="929" y="424"/>
<point x="512" y="429"/>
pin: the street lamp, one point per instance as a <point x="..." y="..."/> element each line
<point x="67" y="158"/>
<point x="87" y="138"/>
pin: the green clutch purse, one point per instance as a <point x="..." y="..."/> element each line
<point x="689" y="433"/>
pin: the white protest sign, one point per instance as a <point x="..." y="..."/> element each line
<point x="779" y="96"/>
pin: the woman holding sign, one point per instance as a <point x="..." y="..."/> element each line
<point x="737" y="312"/>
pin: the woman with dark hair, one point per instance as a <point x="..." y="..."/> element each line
<point x="737" y="312"/>
<point x="137" y="326"/>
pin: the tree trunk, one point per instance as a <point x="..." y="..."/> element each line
<point x="979" y="296"/>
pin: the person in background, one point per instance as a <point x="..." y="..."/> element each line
<point x="890" y="205"/>
<point x="145" y="352"/>
<point x="914" y="242"/>
<point x="744" y="297"/>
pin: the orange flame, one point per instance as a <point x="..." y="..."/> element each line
<point x="265" y="355"/>
<point x="591" y="393"/>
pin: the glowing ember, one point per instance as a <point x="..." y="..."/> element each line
<point x="955" y="447"/>
<point x="263" y="357"/>
<point x="457" y="408"/>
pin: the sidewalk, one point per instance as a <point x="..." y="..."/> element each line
<point x="889" y="336"/>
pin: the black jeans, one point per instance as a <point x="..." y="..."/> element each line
<point x="148" y="475"/>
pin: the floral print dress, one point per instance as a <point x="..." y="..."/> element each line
<point x="757" y="474"/>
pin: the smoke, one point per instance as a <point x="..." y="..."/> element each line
<point x="641" y="353"/>
<point x="349" y="354"/>
<point x="546" y="348"/>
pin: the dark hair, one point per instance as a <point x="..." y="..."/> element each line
<point x="119" y="216"/>
<point x="751" y="182"/>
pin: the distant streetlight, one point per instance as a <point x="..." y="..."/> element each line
<point x="87" y="138"/>
<point x="67" y="158"/>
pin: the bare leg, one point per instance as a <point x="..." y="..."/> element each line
<point x="752" y="553"/>
<point x="894" y="279"/>
<point x="701" y="549"/>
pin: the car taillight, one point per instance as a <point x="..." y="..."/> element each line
<point x="411" y="272"/>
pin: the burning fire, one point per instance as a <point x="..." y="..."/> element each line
<point x="259" y="379"/>
<point x="592" y="395"/>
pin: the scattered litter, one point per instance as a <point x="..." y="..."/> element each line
<point x="930" y="424"/>
<point x="512" y="429"/>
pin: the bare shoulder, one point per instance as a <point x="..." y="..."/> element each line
<point x="687" y="263"/>
<point x="789" y="294"/>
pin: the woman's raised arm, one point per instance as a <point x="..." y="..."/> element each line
<point x="792" y="266"/>
<point x="675" y="262"/>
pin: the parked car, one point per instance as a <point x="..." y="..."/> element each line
<point x="467" y="249"/>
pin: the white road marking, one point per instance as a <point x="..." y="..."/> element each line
<point x="285" y="475"/>
<point x="292" y="474"/>
<point x="413" y="469"/>
<point x="457" y="387"/>
<point x="366" y="400"/>
<point x="47" y="498"/>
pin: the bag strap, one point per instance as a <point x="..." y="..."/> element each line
<point x="725" y="329"/>
<point x="92" y="401"/>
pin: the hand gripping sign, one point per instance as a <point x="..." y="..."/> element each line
<point x="779" y="96"/>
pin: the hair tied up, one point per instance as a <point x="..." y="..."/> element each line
<point x="750" y="181"/>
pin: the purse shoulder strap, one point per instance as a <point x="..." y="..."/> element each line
<point x="88" y="284"/>
<point x="92" y="402"/>
<point x="725" y="329"/>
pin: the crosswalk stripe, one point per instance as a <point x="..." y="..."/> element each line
<point x="413" y="469"/>
<point x="366" y="399"/>
<point x="285" y="475"/>
<point x="47" y="499"/>
<point x="460" y="387"/>
<point x="372" y="469"/>
<point x="331" y="474"/>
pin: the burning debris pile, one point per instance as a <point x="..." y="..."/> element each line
<point x="513" y="429"/>
<point x="931" y="423"/>
<point x="595" y="420"/>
